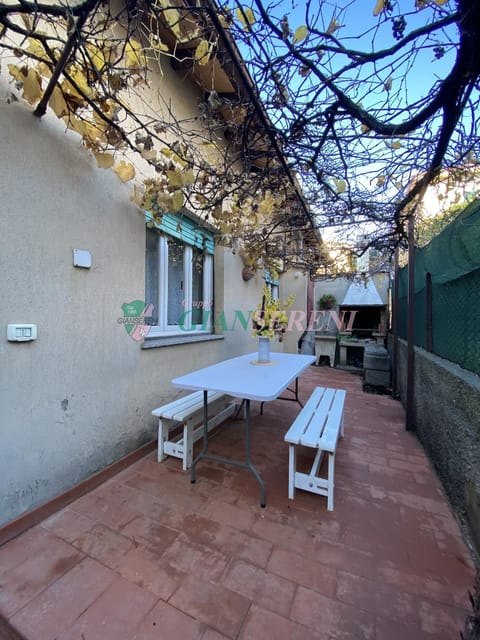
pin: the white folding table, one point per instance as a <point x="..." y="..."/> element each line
<point x="243" y="377"/>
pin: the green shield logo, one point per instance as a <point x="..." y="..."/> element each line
<point x="134" y="314"/>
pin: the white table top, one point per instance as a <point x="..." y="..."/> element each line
<point x="240" y="377"/>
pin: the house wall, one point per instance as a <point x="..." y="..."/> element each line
<point x="339" y="287"/>
<point x="234" y="306"/>
<point x="80" y="396"/>
<point x="241" y="298"/>
<point x="446" y="415"/>
<point x="294" y="283"/>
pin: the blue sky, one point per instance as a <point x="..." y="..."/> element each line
<point x="361" y="30"/>
<point x="411" y="79"/>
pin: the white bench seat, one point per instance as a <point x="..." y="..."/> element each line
<point x="188" y="411"/>
<point x="318" y="426"/>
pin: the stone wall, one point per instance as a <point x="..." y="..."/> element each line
<point x="447" y="421"/>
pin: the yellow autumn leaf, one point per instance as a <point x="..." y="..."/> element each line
<point x="175" y="178"/>
<point x="440" y="2"/>
<point x="44" y="70"/>
<point x="396" y="145"/>
<point x="32" y="88"/>
<point x="36" y="48"/>
<point x="333" y="26"/>
<point x="75" y="124"/>
<point x="172" y="17"/>
<point x="125" y="171"/>
<point x="27" y="21"/>
<point x="104" y="160"/>
<point x="388" y="84"/>
<point x="97" y="57"/>
<point x="210" y="153"/>
<point x="57" y="103"/>
<point x="109" y="108"/>
<point x="149" y="154"/>
<point x="380" y="181"/>
<point x="246" y="16"/>
<point x="137" y="196"/>
<point x="340" y="185"/>
<point x="157" y="44"/>
<point x="177" y="201"/>
<point x="99" y="122"/>
<point x="300" y="33"/>
<point x="81" y="81"/>
<point x="364" y="129"/>
<point x="134" y="55"/>
<point x="145" y="203"/>
<point x="202" y="52"/>
<point x="188" y="178"/>
<point x="222" y="20"/>
<point x="379" y="7"/>
<point x="94" y="132"/>
<point x="16" y="73"/>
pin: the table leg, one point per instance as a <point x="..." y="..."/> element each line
<point x="247" y="454"/>
<point x="205" y="437"/>
<point x="248" y="461"/>
<point x="295" y="399"/>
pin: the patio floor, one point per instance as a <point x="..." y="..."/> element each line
<point x="148" y="556"/>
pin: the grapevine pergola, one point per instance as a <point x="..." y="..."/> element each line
<point x="308" y="118"/>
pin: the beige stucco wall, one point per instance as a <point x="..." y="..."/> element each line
<point x="242" y="297"/>
<point x="81" y="395"/>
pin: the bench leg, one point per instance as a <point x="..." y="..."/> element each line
<point x="187" y="445"/>
<point x="330" y="480"/>
<point x="292" y="469"/>
<point x="163" y="428"/>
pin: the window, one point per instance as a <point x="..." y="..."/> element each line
<point x="179" y="276"/>
<point x="272" y="283"/>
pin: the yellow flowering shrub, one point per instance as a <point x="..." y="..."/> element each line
<point x="270" y="319"/>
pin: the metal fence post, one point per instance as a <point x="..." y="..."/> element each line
<point x="410" y="392"/>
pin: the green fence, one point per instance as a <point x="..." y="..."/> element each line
<point x="447" y="292"/>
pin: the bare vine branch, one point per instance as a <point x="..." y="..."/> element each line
<point x="320" y="123"/>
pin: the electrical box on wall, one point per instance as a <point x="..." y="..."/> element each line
<point x="21" y="332"/>
<point x="82" y="258"/>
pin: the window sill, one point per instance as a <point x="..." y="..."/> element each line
<point x="170" y="341"/>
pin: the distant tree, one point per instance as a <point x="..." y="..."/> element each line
<point x="428" y="228"/>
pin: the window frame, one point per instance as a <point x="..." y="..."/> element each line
<point x="196" y="239"/>
<point x="273" y="284"/>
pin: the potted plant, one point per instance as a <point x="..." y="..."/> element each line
<point x="327" y="301"/>
<point x="269" y="320"/>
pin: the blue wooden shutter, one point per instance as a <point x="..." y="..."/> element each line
<point x="186" y="230"/>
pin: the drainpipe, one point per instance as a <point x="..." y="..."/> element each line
<point x="410" y="394"/>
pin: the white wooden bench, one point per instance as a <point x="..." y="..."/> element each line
<point x="188" y="411"/>
<point x="318" y="425"/>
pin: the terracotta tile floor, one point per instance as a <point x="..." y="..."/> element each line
<point x="148" y="556"/>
